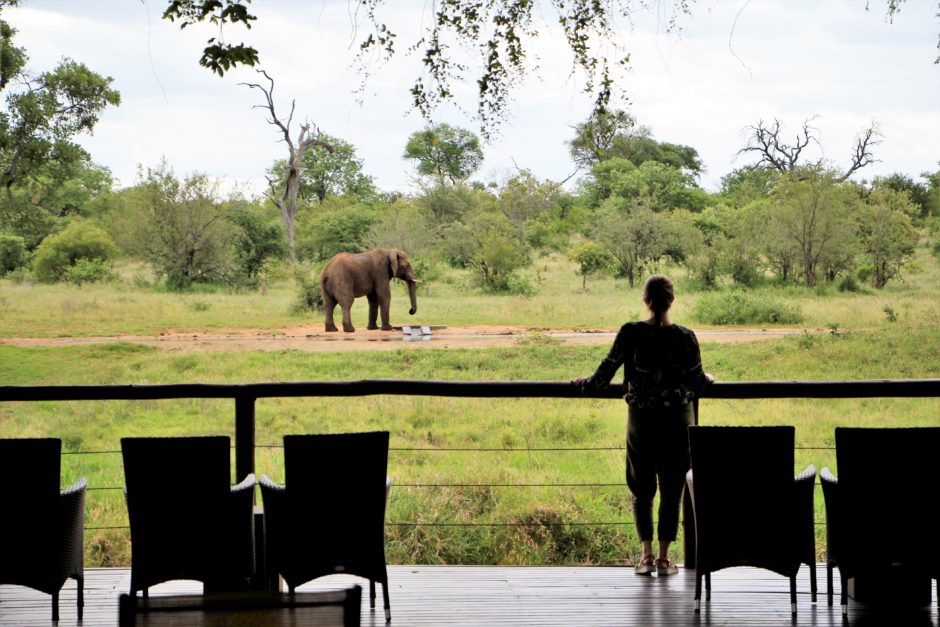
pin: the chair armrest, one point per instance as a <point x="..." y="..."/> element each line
<point x="80" y="485"/>
<point x="826" y="476"/>
<point x="807" y="476"/>
<point x="72" y="520"/>
<point x="267" y="484"/>
<point x="247" y="483"/>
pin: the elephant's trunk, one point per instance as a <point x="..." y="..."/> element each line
<point x="413" y="295"/>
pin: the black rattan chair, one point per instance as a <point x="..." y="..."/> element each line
<point x="749" y="509"/>
<point x="42" y="528"/>
<point x="881" y="522"/>
<point x="329" y="517"/>
<point x="187" y="521"/>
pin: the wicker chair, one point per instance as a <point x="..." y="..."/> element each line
<point x="42" y="528"/>
<point x="880" y="518"/>
<point x="329" y="517"/>
<point x="187" y="521"/>
<point x="749" y="509"/>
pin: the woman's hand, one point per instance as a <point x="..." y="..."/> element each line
<point x="578" y="382"/>
<point x="709" y="378"/>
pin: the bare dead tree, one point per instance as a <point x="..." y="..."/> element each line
<point x="862" y="155"/>
<point x="765" y="140"/>
<point x="286" y="199"/>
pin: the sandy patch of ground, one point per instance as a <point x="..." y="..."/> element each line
<point x="314" y="338"/>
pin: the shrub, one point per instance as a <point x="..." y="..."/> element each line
<point x="738" y="307"/>
<point x="12" y="253"/>
<point x="79" y="240"/>
<point x="88" y="271"/>
<point x="849" y="284"/>
<point x="309" y="298"/>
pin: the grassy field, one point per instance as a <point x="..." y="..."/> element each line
<point x="519" y="523"/>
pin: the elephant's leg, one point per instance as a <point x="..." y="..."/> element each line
<point x="329" y="304"/>
<point x="384" y="300"/>
<point x="373" y="310"/>
<point x="347" y="316"/>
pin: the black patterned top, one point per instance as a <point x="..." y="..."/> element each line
<point x="662" y="365"/>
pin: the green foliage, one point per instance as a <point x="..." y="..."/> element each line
<point x="256" y="241"/>
<point x="45" y="113"/>
<point x="740" y="307"/>
<point x="343" y="230"/>
<point x="12" y="253"/>
<point x="445" y="152"/>
<point x="489" y="244"/>
<point x="887" y="236"/>
<point x="88" y="271"/>
<point x="592" y="258"/>
<point x="308" y="297"/>
<point x="179" y="227"/>
<point x="325" y="173"/>
<point x="79" y="240"/>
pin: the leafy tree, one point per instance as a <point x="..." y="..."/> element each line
<point x="12" y="253"/>
<point x="179" y="226"/>
<point x="635" y="235"/>
<point x="445" y="152"/>
<point x="887" y="235"/>
<point x="449" y="203"/>
<point x="488" y="243"/>
<point x="256" y="240"/>
<point x="524" y="198"/>
<point x="615" y="135"/>
<point x="592" y="259"/>
<point x="41" y="115"/>
<point x="594" y="139"/>
<point x="406" y="227"/>
<point x="78" y="241"/>
<point x="745" y="185"/>
<point x="45" y="112"/>
<point x="328" y="173"/>
<point x="343" y="230"/>
<point x="918" y="193"/>
<point x="813" y="210"/>
<point x="660" y="186"/>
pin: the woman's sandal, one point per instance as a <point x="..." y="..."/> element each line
<point x="665" y="567"/>
<point x="646" y="566"/>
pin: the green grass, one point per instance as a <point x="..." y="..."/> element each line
<point x="91" y="430"/>
<point x="521" y="523"/>
<point x="117" y="309"/>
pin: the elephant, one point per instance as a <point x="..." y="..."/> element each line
<point x="347" y="276"/>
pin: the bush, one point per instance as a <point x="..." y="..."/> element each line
<point x="849" y="284"/>
<point x="88" y="271"/>
<point x="12" y="253"/>
<point x="309" y="298"/>
<point x="738" y="307"/>
<point x="79" y="240"/>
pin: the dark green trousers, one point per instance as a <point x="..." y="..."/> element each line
<point x="658" y="452"/>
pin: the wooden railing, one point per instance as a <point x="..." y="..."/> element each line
<point x="246" y="394"/>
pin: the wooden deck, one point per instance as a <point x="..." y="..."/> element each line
<point x="443" y="596"/>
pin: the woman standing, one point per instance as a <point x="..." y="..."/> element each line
<point x="662" y="376"/>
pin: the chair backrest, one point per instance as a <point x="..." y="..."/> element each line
<point x="177" y="495"/>
<point x="30" y="469"/>
<point x="887" y="489"/>
<point x="740" y="475"/>
<point x="336" y="483"/>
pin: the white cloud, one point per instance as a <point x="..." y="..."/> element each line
<point x="733" y="64"/>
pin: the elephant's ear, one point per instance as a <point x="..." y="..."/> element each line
<point x="393" y="262"/>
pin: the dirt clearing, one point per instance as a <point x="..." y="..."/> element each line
<point x="314" y="338"/>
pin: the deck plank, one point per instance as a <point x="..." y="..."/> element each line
<point x="545" y="596"/>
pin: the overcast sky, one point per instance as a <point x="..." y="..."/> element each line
<point x="734" y="63"/>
